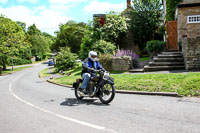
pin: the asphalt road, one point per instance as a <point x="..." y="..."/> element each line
<point x="31" y="105"/>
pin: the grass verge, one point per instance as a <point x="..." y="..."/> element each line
<point x="185" y="84"/>
<point x="9" y="71"/>
<point x="44" y="73"/>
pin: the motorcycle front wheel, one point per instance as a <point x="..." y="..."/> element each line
<point x="108" y="93"/>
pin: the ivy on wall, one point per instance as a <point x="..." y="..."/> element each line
<point x="171" y="8"/>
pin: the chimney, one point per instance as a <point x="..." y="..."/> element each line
<point x="128" y="4"/>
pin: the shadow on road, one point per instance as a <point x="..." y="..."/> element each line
<point x="46" y="62"/>
<point x="75" y="102"/>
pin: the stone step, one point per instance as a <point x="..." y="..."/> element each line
<point x="166" y="63"/>
<point x="156" y="59"/>
<point x="163" y="68"/>
<point x="172" y="53"/>
<point x="136" y="71"/>
<point x="170" y="56"/>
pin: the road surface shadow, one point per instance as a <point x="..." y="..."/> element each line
<point x="46" y="62"/>
<point x="75" y="102"/>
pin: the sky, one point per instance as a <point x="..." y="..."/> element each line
<point x="48" y="14"/>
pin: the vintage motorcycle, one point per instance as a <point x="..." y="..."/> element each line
<point x="101" y="86"/>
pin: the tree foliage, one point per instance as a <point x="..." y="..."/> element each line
<point x="70" y="34"/>
<point x="41" y="42"/>
<point x="40" y="45"/>
<point x="171" y="8"/>
<point x="145" y="20"/>
<point x="91" y="35"/>
<point x="115" y="27"/>
<point x="22" y="25"/>
<point x="65" y="60"/>
<point x="12" y="40"/>
<point x="33" y="30"/>
<point x="103" y="47"/>
<point x="50" y="40"/>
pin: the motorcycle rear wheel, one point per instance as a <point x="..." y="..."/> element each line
<point x="108" y="93"/>
<point x="77" y="93"/>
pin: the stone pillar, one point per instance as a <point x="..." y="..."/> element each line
<point x="191" y="52"/>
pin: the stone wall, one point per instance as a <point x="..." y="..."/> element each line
<point x="117" y="64"/>
<point x="184" y="29"/>
<point x="121" y="64"/>
<point x="191" y="52"/>
<point x="189" y="1"/>
<point x="189" y="35"/>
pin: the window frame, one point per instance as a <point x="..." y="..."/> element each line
<point x="193" y="19"/>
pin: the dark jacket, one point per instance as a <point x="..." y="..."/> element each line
<point x="88" y="65"/>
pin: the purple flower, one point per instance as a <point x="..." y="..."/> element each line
<point x="130" y="53"/>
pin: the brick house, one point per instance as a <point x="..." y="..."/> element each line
<point x="184" y="30"/>
<point x="188" y="28"/>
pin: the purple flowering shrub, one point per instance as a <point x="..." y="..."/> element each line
<point x="128" y="53"/>
<point x="135" y="58"/>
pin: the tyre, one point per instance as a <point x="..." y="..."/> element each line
<point x="77" y="93"/>
<point x="108" y="93"/>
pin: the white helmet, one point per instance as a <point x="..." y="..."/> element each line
<point x="92" y="55"/>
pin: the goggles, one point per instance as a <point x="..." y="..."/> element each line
<point x="94" y="56"/>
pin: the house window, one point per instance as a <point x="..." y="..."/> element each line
<point x="193" y="19"/>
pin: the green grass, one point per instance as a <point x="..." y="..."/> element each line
<point x="73" y="75"/>
<point x="185" y="84"/>
<point x="9" y="71"/>
<point x="44" y="73"/>
<point x="144" y="59"/>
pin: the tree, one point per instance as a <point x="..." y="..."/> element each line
<point x="70" y="34"/>
<point x="40" y="45"/>
<point x="11" y="40"/>
<point x="41" y="42"/>
<point x="115" y="27"/>
<point x="145" y="20"/>
<point x="50" y="39"/>
<point x="91" y="36"/>
<point x="22" y="25"/>
<point x="33" y="30"/>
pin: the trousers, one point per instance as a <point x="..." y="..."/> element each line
<point x="86" y="78"/>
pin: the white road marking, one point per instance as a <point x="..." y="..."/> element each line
<point x="57" y="115"/>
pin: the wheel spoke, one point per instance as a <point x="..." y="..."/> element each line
<point x="107" y="92"/>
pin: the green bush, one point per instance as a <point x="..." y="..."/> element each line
<point x="65" y="60"/>
<point x="103" y="47"/>
<point x="155" y="45"/>
<point x="106" y="61"/>
<point x="19" y="61"/>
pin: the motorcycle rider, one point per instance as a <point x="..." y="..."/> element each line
<point x="90" y="66"/>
